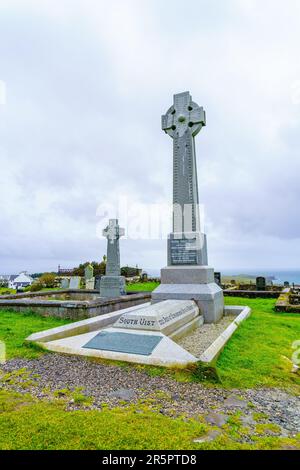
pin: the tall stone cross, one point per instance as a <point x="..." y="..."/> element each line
<point x="113" y="233"/>
<point x="183" y="121"/>
<point x="187" y="275"/>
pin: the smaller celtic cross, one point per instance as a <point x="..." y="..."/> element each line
<point x="113" y="232"/>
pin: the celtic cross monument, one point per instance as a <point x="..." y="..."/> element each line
<point x="183" y="122"/>
<point x="112" y="284"/>
<point x="187" y="275"/>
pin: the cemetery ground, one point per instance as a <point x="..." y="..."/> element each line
<point x="249" y="399"/>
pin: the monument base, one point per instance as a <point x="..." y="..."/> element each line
<point x="187" y="275"/>
<point x="112" y="286"/>
<point x="192" y="283"/>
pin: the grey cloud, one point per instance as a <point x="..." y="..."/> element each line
<point x="85" y="90"/>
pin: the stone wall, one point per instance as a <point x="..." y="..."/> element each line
<point x="285" y="303"/>
<point x="252" y="294"/>
<point x="61" y="294"/>
<point x="70" y="309"/>
<point x="251" y="287"/>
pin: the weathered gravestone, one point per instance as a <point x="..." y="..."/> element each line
<point x="64" y="283"/>
<point x="97" y="282"/>
<point x="261" y="283"/>
<point x="88" y="272"/>
<point x="217" y="277"/>
<point x="187" y="275"/>
<point x="89" y="277"/>
<point x="74" y="282"/>
<point x="90" y="284"/>
<point x="112" y="284"/>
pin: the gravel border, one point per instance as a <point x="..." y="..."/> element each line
<point x="200" y="339"/>
<point x="114" y="385"/>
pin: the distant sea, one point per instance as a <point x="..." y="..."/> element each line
<point x="279" y="276"/>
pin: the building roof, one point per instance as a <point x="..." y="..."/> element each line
<point x="22" y="277"/>
<point x="8" y="277"/>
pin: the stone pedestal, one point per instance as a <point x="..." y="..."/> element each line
<point x="187" y="275"/>
<point x="112" y="286"/>
<point x="192" y="283"/>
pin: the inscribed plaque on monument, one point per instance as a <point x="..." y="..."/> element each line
<point x="182" y="251"/>
<point x="124" y="342"/>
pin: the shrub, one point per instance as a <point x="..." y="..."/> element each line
<point x="36" y="286"/>
<point x="5" y="292"/>
<point x="47" y="280"/>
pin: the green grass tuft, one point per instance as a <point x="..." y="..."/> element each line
<point x="202" y="372"/>
<point x="15" y="327"/>
<point x="259" y="353"/>
<point x="39" y="425"/>
<point x="142" y="286"/>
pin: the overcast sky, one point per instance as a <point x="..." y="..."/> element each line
<point x="83" y="84"/>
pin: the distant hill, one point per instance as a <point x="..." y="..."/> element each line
<point x="245" y="278"/>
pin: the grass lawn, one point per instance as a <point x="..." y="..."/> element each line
<point x="142" y="287"/>
<point x="258" y="355"/>
<point x="260" y="351"/>
<point x="7" y="290"/>
<point x="15" y="327"/>
<point x="28" y="424"/>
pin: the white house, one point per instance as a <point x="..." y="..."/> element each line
<point x="22" y="280"/>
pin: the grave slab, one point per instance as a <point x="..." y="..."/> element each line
<point x="74" y="338"/>
<point x="166" y="317"/>
<point x="167" y="353"/>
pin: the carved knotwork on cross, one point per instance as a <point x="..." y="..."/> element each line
<point x="113" y="231"/>
<point x="183" y="116"/>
